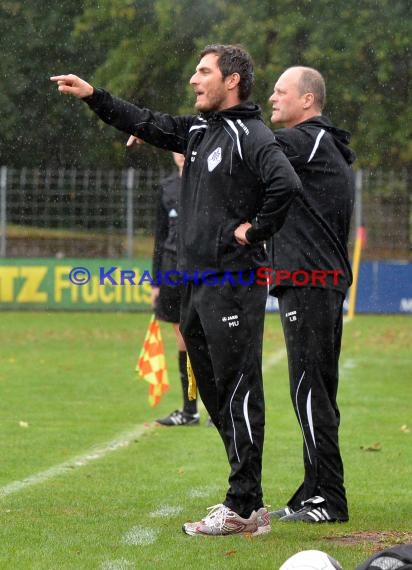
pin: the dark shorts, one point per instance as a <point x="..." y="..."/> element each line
<point x="167" y="306"/>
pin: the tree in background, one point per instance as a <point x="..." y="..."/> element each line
<point x="38" y="127"/>
<point x="147" y="45"/>
<point x="364" y="50"/>
<point x="146" y="50"/>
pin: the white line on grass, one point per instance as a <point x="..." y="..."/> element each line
<point x="166" y="511"/>
<point x="274" y="359"/>
<point x="98" y="452"/>
<point x="203" y="492"/>
<point x="140" y="536"/>
<point x="347" y="366"/>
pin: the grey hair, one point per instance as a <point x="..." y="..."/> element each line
<point x="312" y="81"/>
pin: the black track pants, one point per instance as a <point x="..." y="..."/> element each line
<point x="222" y="326"/>
<point x="312" y="325"/>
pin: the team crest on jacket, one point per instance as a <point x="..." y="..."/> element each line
<point x="214" y="159"/>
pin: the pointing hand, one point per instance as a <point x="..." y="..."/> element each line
<point x="73" y="85"/>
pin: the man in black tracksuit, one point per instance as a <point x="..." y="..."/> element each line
<point x="237" y="186"/>
<point x="312" y="276"/>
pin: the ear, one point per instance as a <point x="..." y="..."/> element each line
<point x="308" y="100"/>
<point x="232" y="81"/>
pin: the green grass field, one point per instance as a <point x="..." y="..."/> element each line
<point x="87" y="482"/>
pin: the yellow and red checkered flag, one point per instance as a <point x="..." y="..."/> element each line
<point x="151" y="363"/>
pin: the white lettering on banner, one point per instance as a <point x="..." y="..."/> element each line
<point x="406" y="305"/>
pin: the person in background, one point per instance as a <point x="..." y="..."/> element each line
<point x="166" y="298"/>
<point x="313" y="240"/>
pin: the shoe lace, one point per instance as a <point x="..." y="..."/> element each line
<point x="217" y="516"/>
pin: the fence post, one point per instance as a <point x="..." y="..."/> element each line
<point x="358" y="199"/>
<point x="3" y="216"/>
<point x="129" y="211"/>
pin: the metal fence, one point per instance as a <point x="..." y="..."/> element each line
<point x="104" y="213"/>
<point x="384" y="206"/>
<point x="75" y="213"/>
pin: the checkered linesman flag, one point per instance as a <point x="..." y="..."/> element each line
<point x="151" y="363"/>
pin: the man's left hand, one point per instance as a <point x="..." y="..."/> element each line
<point x="240" y="233"/>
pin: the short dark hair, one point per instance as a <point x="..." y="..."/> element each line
<point x="311" y="81"/>
<point x="234" y="59"/>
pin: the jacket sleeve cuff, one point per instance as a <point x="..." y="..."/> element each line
<point x="254" y="235"/>
<point x="94" y="98"/>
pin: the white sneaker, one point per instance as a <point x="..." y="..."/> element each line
<point x="222" y="521"/>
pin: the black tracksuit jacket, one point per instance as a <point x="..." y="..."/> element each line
<point x="314" y="237"/>
<point x="234" y="172"/>
<point x="316" y="232"/>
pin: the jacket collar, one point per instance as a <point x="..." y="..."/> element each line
<point x="245" y="110"/>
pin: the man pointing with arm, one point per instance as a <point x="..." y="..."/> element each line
<point x="237" y="187"/>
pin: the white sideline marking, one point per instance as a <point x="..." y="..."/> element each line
<point x="276" y="357"/>
<point x="140" y="536"/>
<point x="347" y="366"/>
<point x="122" y="440"/>
<point x="166" y="511"/>
<point x="203" y="492"/>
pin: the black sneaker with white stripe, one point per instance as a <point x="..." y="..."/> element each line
<point x="313" y="511"/>
<point x="281" y="513"/>
<point x="179" y="418"/>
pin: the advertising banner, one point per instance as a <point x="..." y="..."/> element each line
<point x="75" y="284"/>
<point x="125" y="285"/>
<point x="385" y="287"/>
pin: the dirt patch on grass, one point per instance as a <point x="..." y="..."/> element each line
<point x="376" y="540"/>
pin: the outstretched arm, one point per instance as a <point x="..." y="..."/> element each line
<point x="73" y="85"/>
<point x="159" y="129"/>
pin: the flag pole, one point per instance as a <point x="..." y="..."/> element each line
<point x="360" y="238"/>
